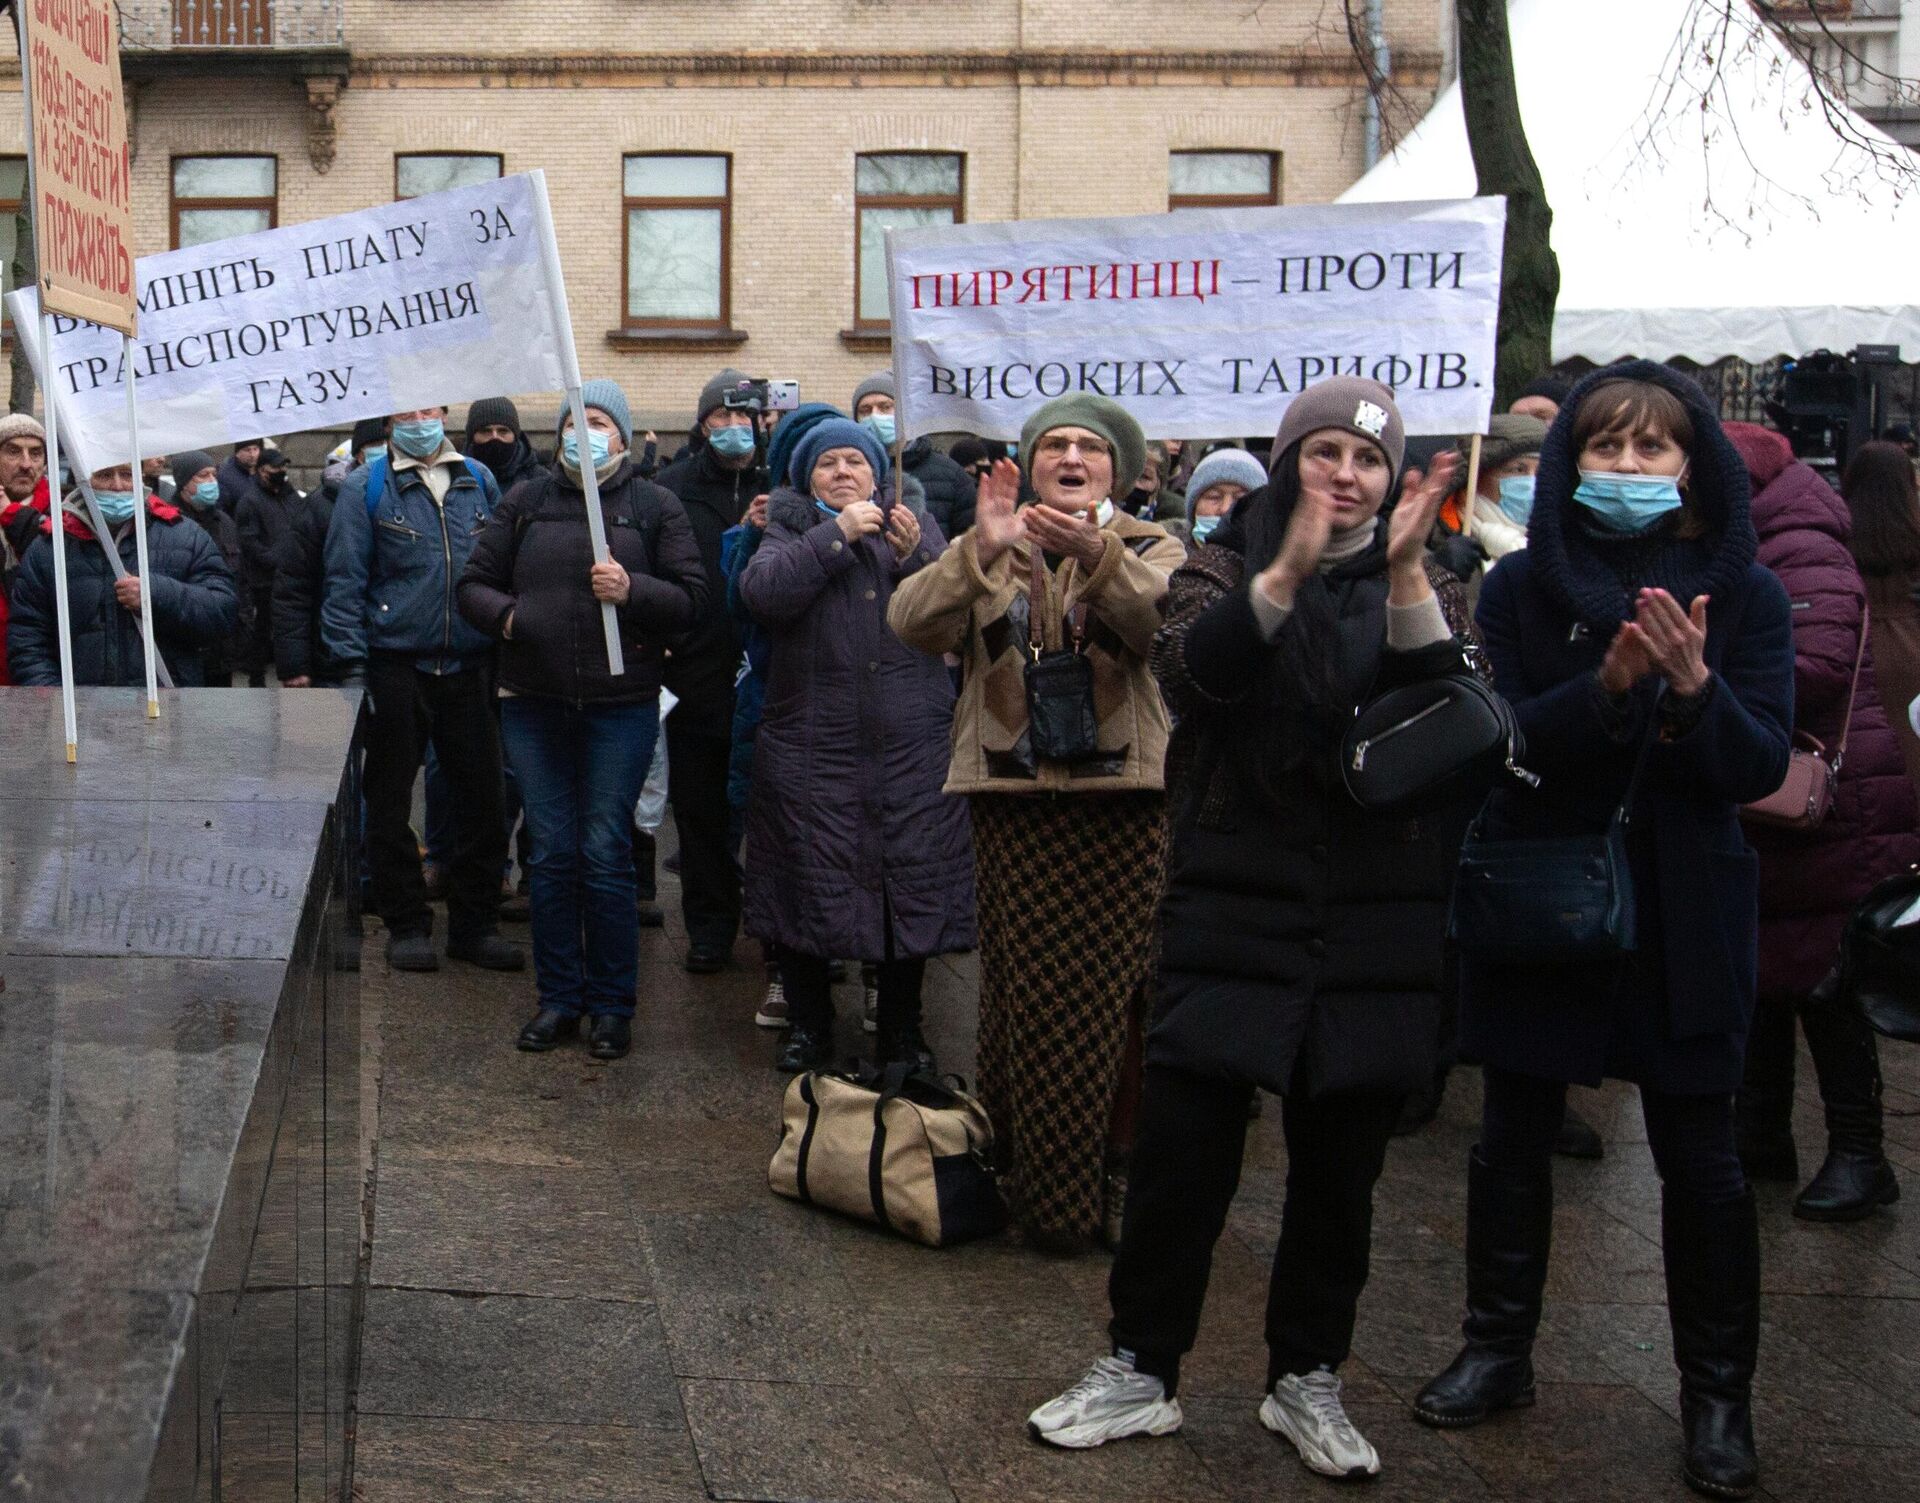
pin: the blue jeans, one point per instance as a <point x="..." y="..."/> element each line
<point x="581" y="771"/>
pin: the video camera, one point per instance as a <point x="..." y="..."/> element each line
<point x="761" y="396"/>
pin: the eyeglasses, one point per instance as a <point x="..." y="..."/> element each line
<point x="1057" y="444"/>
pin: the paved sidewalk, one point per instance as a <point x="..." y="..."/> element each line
<point x="582" y="1290"/>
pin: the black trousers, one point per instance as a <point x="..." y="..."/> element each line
<point x="709" y="876"/>
<point x="810" y="991"/>
<point x="259" y="650"/>
<point x="1187" y="1148"/>
<point x="453" y="711"/>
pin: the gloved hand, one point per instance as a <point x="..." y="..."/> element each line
<point x="1460" y="555"/>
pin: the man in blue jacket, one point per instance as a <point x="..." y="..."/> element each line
<point x="400" y="536"/>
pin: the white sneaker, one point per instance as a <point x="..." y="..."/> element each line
<point x="870" y="1000"/>
<point x="773" y="1007"/>
<point x="1307" y="1410"/>
<point x="1110" y="1403"/>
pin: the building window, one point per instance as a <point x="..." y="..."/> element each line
<point x="217" y="197"/>
<point x="13" y="198"/>
<point x="679" y="216"/>
<point x="1223" y="179"/>
<point x="418" y="172"/>
<point x="895" y="190"/>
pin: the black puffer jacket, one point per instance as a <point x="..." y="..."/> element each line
<point x="532" y="560"/>
<point x="263" y="519"/>
<point x="222" y="656"/>
<point x="950" y="491"/>
<point x="706" y="658"/>
<point x="1302" y="938"/>
<point x="299" y="587"/>
<point x="526" y="463"/>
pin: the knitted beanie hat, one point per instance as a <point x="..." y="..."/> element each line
<point x="712" y="393"/>
<point x="368" y="433"/>
<point x="186" y="466"/>
<point x="879" y="384"/>
<point x="21" y="425"/>
<point x="1510" y="435"/>
<point x="1235" y="465"/>
<point x="793" y="427"/>
<point x="610" y="399"/>
<point x="1354" y="405"/>
<point x="834" y="433"/>
<point x="490" y="410"/>
<point x="1101" y="415"/>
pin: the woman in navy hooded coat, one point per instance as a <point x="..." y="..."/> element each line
<point x="1632" y="618"/>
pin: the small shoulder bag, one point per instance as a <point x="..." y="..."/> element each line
<point x="1553" y="901"/>
<point x="1061" y="724"/>
<point x="1804" y="800"/>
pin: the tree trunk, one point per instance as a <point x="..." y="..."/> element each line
<point x="21" y="273"/>
<point x="1530" y="275"/>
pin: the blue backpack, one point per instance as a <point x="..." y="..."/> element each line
<point x="378" y="474"/>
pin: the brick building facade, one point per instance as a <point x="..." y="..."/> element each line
<point x="741" y="143"/>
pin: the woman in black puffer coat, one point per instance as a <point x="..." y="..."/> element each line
<point x="579" y="739"/>
<point x="1301" y="938"/>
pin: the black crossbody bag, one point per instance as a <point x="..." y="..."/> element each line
<point x="1061" y="724"/>
<point x="1555" y="901"/>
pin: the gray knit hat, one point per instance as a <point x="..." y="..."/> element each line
<point x="491" y="410"/>
<point x="21" y="425"/>
<point x="1510" y="435"/>
<point x="186" y="466"/>
<point x="711" y="394"/>
<point x="1101" y="415"/>
<point x="1352" y="404"/>
<point x="610" y="399"/>
<point x="1235" y="465"/>
<point x="879" y="384"/>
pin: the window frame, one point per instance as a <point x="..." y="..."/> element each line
<point x="629" y="322"/>
<point x="10" y="207"/>
<point x="174" y="201"/>
<point x="499" y="158"/>
<point x="957" y="201"/>
<point x="1271" y="200"/>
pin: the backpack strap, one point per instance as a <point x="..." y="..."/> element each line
<point x="380" y="473"/>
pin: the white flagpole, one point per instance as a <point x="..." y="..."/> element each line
<point x="570" y="369"/>
<point x="56" y="513"/>
<point x="139" y="525"/>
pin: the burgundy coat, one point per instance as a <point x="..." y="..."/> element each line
<point x="1811" y="880"/>
<point x="853" y="851"/>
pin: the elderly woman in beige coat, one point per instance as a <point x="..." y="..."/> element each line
<point x="1069" y="850"/>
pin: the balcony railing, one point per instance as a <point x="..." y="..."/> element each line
<point x="207" y="25"/>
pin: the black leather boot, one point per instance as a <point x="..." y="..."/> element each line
<point x="1763" y="1121"/>
<point x="609" y="1037"/>
<point x="1712" y="1252"/>
<point x="805" y="1049"/>
<point x="1509" y="1232"/>
<point x="1856" y="1180"/>
<point x="546" y="1028"/>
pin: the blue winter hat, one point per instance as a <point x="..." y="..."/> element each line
<point x="1236" y="465"/>
<point x="835" y="433"/>
<point x="610" y="399"/>
<point x="786" y="437"/>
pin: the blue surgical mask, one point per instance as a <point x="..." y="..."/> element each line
<point x="373" y="452"/>
<point x="421" y="440"/>
<point x="599" y="445"/>
<point x="732" y="443"/>
<point x="881" y="426"/>
<point x="1203" y="527"/>
<point x="115" y="506"/>
<point x="205" y="493"/>
<point x="1516" y="498"/>
<point x="1627" y="503"/>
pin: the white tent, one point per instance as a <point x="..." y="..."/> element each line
<point x="1750" y="228"/>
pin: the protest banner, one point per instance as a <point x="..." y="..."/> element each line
<point x="1206" y="323"/>
<point x="431" y="300"/>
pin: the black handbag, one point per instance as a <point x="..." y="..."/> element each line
<point x="1546" y="902"/>
<point x="1061" y="723"/>
<point x="1880" y="956"/>
<point x="1423" y="746"/>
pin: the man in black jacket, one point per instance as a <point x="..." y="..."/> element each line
<point x="716" y="481"/>
<point x="496" y="439"/>
<point x="950" y="490"/>
<point x="196" y="491"/>
<point x="300" y="570"/>
<point x="236" y="473"/>
<point x="262" y="519"/>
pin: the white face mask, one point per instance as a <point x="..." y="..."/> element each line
<point x="1103" y="513"/>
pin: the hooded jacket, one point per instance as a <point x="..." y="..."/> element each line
<point x="1810" y="880"/>
<point x="1674" y="1015"/>
<point x="191" y="590"/>
<point x="532" y="561"/>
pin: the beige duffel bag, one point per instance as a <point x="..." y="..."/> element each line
<point x="910" y="1152"/>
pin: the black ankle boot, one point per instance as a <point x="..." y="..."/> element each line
<point x="805" y="1049"/>
<point x="1509" y="1232"/>
<point x="1712" y="1252"/>
<point x="548" y="1028"/>
<point x="1763" y="1110"/>
<point x="1856" y="1179"/>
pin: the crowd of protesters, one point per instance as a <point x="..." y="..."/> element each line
<point x="828" y="641"/>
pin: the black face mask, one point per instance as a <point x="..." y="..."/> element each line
<point x="273" y="481"/>
<point x="493" y="453"/>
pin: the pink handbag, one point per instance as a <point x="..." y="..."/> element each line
<point x="1803" y="800"/>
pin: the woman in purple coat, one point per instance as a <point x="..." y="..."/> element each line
<point x="852" y="849"/>
<point x="1810" y="880"/>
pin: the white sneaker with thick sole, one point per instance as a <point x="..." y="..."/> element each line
<point x="773" y="1007"/>
<point x="1111" y="1402"/>
<point x="1307" y="1410"/>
